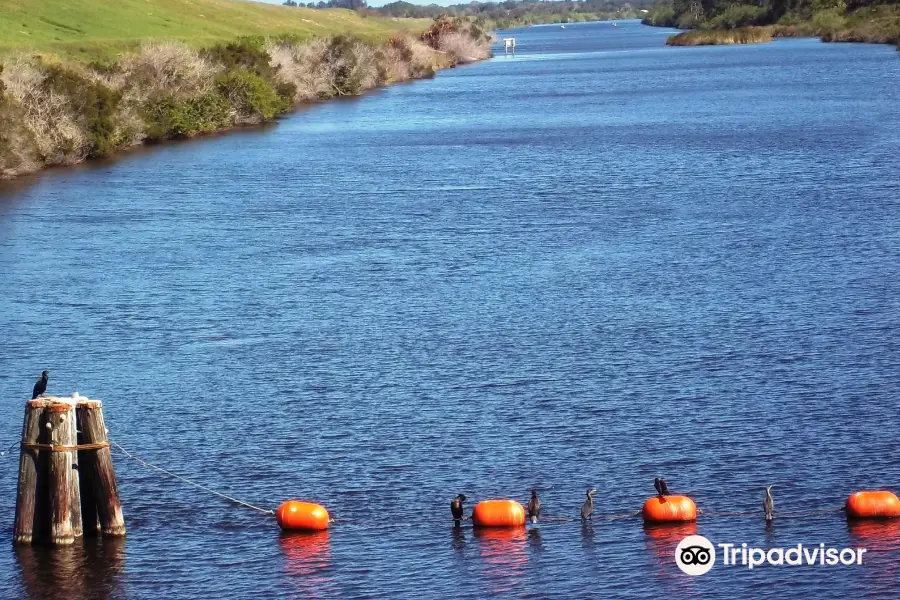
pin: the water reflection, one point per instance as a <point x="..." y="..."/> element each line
<point x="770" y="532"/>
<point x="662" y="539"/>
<point x="459" y="539"/>
<point x="881" y="539"/>
<point x="90" y="569"/>
<point x="502" y="551"/>
<point x="587" y="534"/>
<point x="535" y="541"/>
<point x="307" y="560"/>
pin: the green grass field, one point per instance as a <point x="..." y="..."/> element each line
<point x="102" y="28"/>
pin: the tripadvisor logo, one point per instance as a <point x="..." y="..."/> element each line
<point x="696" y="555"/>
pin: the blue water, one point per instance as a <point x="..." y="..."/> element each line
<point x="598" y="262"/>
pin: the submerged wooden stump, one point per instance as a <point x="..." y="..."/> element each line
<point x="67" y="486"/>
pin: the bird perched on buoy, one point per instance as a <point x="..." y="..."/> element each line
<point x="587" y="508"/>
<point x="456" y="509"/>
<point x="769" y="504"/>
<point x="661" y="488"/>
<point x="40" y="385"/>
<point x="534" y="507"/>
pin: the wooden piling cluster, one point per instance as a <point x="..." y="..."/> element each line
<point x="67" y="485"/>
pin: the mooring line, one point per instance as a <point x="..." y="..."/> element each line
<point x="264" y="511"/>
<point x="9" y="449"/>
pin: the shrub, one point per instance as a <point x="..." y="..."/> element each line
<point x="164" y="68"/>
<point x="737" y="15"/>
<point x="662" y="15"/>
<point x="746" y="35"/>
<point x="170" y="116"/>
<point x="92" y="103"/>
<point x="246" y="53"/>
<point x="441" y="25"/>
<point x="17" y="148"/>
<point x="463" y="48"/>
<point x="346" y="77"/>
<point x="252" y="97"/>
<point x="826" y="21"/>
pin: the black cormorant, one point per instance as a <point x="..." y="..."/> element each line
<point x="456" y="509"/>
<point x="534" y="507"/>
<point x="40" y="385"/>
<point x="661" y="488"/>
<point x="588" y="507"/>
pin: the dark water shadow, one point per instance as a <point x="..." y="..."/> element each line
<point x="90" y="569"/>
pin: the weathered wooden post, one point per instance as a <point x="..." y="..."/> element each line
<point x="99" y="465"/>
<point x="27" y="497"/>
<point x="67" y="485"/>
<point x="60" y="419"/>
<point x="89" y="518"/>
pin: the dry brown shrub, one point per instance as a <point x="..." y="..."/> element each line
<point x="464" y="48"/>
<point x="304" y="66"/>
<point x="48" y="115"/>
<point x="162" y="68"/>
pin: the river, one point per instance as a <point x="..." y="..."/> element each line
<point x="598" y="262"/>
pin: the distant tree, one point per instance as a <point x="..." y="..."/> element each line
<point x="351" y="4"/>
<point x="289" y="3"/>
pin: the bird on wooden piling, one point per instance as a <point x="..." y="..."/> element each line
<point x="661" y="488"/>
<point x="534" y="507"/>
<point x="587" y="508"/>
<point x="769" y="504"/>
<point x="456" y="509"/>
<point x="40" y="385"/>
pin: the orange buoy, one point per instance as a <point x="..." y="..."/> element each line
<point x="873" y="505"/>
<point x="498" y="513"/>
<point x="295" y="515"/>
<point x="669" y="509"/>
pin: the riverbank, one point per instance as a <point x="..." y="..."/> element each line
<point x="742" y="24"/>
<point x="61" y="112"/>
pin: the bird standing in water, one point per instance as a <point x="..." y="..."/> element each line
<point x="769" y="504"/>
<point x="661" y="488"/>
<point x="40" y="385"/>
<point x="534" y="507"/>
<point x="587" y="508"/>
<point x="456" y="509"/>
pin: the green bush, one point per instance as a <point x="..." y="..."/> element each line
<point x="246" y="53"/>
<point x="93" y="103"/>
<point x="251" y="96"/>
<point x="662" y="15"/>
<point x="737" y="15"/>
<point x="169" y="117"/>
<point x="341" y="55"/>
<point x="826" y="21"/>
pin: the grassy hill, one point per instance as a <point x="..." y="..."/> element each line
<point x="93" y="28"/>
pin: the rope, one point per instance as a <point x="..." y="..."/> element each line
<point x="9" y="449"/>
<point x="546" y="519"/>
<point x="61" y="448"/>
<point x="193" y="483"/>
